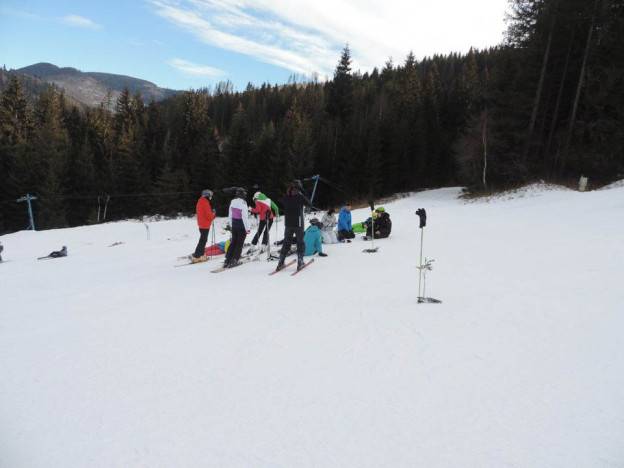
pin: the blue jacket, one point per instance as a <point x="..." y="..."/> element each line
<point x="313" y="241"/>
<point x="344" y="220"/>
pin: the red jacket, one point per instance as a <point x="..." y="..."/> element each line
<point x="261" y="210"/>
<point x="205" y="215"/>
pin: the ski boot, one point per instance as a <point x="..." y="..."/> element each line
<point x="280" y="263"/>
<point x="300" y="262"/>
<point x="195" y="259"/>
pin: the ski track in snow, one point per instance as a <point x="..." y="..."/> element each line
<point x="113" y="358"/>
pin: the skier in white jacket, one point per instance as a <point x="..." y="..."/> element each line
<point x="329" y="223"/>
<point x="239" y="223"/>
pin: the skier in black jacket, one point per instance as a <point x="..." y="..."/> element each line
<point x="292" y="207"/>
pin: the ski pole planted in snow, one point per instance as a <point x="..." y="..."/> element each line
<point x="372" y="249"/>
<point x="423" y="268"/>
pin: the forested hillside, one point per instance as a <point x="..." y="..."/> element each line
<point x="548" y="104"/>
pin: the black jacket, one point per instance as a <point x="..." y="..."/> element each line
<point x="383" y="226"/>
<point x="292" y="208"/>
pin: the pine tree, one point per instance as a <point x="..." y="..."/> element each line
<point x="341" y="89"/>
<point x="15" y="115"/>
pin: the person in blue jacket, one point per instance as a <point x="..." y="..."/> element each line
<point x="345" y="229"/>
<point x="313" y="239"/>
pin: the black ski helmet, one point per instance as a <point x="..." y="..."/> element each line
<point x="241" y="193"/>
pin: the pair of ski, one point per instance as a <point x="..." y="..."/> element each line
<point x="292" y="262"/>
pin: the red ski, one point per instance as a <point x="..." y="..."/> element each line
<point x="285" y="266"/>
<point x="304" y="265"/>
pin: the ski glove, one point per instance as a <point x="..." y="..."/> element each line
<point x="422" y="214"/>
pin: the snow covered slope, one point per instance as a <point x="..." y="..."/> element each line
<point x="113" y="358"/>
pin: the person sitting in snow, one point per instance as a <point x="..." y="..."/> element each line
<point x="380" y="219"/>
<point x="205" y="217"/>
<point x="266" y="211"/>
<point x="59" y="253"/>
<point x="313" y="239"/>
<point x="345" y="229"/>
<point x="329" y="223"/>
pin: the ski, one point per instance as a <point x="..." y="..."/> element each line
<point x="283" y="268"/>
<point x="190" y="263"/>
<point x="240" y="262"/>
<point x="429" y="300"/>
<point x="47" y="257"/>
<point x="304" y="265"/>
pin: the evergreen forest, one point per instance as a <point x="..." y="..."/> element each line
<point x="546" y="104"/>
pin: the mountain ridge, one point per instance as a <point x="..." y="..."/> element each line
<point x="94" y="88"/>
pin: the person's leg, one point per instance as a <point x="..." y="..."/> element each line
<point x="265" y="237"/>
<point x="241" y="234"/>
<point x="261" y="226"/>
<point x="288" y="233"/>
<point x="201" y="244"/>
<point x="228" y="254"/>
<point x="300" y="246"/>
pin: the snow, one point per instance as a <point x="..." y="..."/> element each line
<point x="113" y="358"/>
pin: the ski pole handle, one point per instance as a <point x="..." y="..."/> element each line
<point x="422" y="214"/>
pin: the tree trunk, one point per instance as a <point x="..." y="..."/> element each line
<point x="540" y="86"/>
<point x="555" y="117"/>
<point x="484" y="138"/>
<point x="485" y="126"/>
<point x="579" y="86"/>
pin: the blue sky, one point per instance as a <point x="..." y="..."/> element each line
<point x="185" y="44"/>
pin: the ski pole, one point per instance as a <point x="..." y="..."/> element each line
<point x="373" y="230"/>
<point x="268" y="234"/>
<point x="213" y="237"/>
<point x="422" y="214"/>
<point x="420" y="264"/>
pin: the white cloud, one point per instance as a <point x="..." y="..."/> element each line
<point x="80" y="22"/>
<point x="306" y="36"/>
<point x="194" y="69"/>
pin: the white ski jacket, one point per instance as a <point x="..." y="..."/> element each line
<point x="239" y="212"/>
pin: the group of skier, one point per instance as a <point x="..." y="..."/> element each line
<point x="307" y="241"/>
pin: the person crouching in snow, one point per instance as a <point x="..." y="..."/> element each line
<point x="383" y="225"/>
<point x="313" y="239"/>
<point x="239" y="223"/>
<point x="329" y="223"/>
<point x="205" y="216"/>
<point x="266" y="211"/>
<point x="345" y="229"/>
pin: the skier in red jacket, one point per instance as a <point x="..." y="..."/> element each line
<point x="205" y="217"/>
<point x="266" y="211"/>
